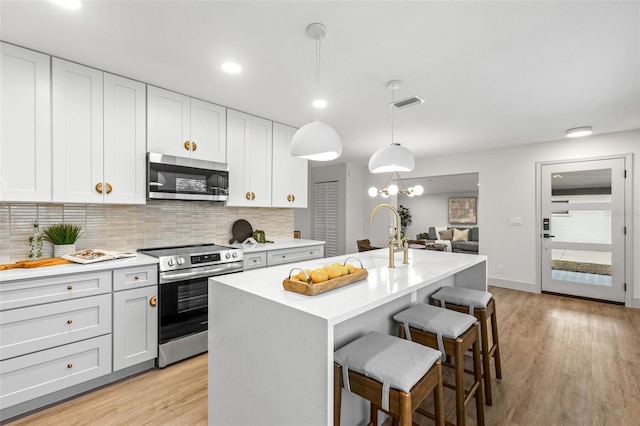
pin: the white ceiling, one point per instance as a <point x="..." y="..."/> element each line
<point x="492" y="74"/>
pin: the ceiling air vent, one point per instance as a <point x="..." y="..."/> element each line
<point x="408" y="102"/>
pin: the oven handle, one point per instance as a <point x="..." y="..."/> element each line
<point x="208" y="272"/>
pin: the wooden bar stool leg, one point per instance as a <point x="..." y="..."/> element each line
<point x="486" y="356"/>
<point x="459" y="379"/>
<point x="438" y="401"/>
<point x="478" y="377"/>
<point x="373" y="414"/>
<point x="405" y="410"/>
<point x="494" y="335"/>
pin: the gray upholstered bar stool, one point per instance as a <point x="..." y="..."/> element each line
<point x="394" y="375"/>
<point x="482" y="305"/>
<point x="453" y="333"/>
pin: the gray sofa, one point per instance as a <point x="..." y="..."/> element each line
<point x="470" y="246"/>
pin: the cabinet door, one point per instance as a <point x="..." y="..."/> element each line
<point x="168" y="122"/>
<point x="77" y="133"/>
<point x="25" y="136"/>
<point x="124" y="140"/>
<point x="135" y="327"/>
<point x="258" y="170"/>
<point x="208" y="131"/>
<point x="238" y="135"/>
<point x="290" y="173"/>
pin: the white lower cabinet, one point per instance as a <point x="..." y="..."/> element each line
<point x="40" y="373"/>
<point x="254" y="260"/>
<point x="135" y="326"/>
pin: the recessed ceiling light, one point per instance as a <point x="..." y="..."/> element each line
<point x="319" y="103"/>
<point x="578" y="132"/>
<point x="68" y="4"/>
<point x="231" y="68"/>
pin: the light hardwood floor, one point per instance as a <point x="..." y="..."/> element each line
<point x="565" y="362"/>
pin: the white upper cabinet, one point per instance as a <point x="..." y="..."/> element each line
<point x="249" y="153"/>
<point x="25" y="134"/>
<point x="98" y="136"/>
<point x="185" y="127"/>
<point x="289" y="173"/>
<point x="124" y="140"/>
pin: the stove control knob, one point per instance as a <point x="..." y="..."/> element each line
<point x="180" y="260"/>
<point x="170" y="262"/>
<point x="234" y="255"/>
<point x="227" y="256"/>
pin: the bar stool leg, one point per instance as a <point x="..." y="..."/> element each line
<point x="373" y="414"/>
<point x="459" y="379"/>
<point x="478" y="377"/>
<point x="494" y="335"/>
<point x="486" y="355"/>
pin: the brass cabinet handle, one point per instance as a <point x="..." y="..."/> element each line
<point x="248" y="195"/>
<point x="136" y="277"/>
<point x="69" y="365"/>
<point x="289" y="197"/>
<point x="293" y="197"/>
<point x="195" y="145"/>
<point x="99" y="187"/>
<point x="153" y="301"/>
<point x="109" y="188"/>
<point x="187" y="145"/>
<point x="69" y="321"/>
<point x="70" y="287"/>
<point x="253" y="196"/>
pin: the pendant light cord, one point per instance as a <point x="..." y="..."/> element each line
<point x="318" y="49"/>
<point x="393" y="100"/>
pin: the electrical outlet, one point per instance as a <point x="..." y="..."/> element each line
<point x="500" y="269"/>
<point x="515" y="221"/>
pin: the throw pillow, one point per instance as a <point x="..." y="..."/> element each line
<point x="460" y="234"/>
<point x="446" y="234"/>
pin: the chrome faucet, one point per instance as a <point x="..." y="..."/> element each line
<point x="401" y="244"/>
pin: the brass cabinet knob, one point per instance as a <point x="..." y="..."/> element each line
<point x="153" y="301"/>
<point x="69" y="365"/>
<point x="109" y="188"/>
<point x="195" y="145"/>
<point x="136" y="277"/>
<point x="289" y="197"/>
<point x="99" y="187"/>
<point x="293" y="197"/>
<point x="69" y="321"/>
<point x="248" y="195"/>
<point x="253" y="196"/>
<point x="187" y="145"/>
<point x="70" y="287"/>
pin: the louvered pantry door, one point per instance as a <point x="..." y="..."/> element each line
<point x="326" y="216"/>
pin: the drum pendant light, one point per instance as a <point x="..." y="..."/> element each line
<point x="392" y="158"/>
<point x="317" y="140"/>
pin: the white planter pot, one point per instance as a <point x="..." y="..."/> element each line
<point x="63" y="250"/>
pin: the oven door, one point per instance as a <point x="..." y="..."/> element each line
<point x="183" y="308"/>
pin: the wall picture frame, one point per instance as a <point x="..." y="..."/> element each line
<point x="463" y="210"/>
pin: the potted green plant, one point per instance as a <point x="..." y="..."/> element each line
<point x="405" y="218"/>
<point x="63" y="236"/>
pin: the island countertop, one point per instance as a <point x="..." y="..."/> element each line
<point x="271" y="350"/>
<point x="382" y="285"/>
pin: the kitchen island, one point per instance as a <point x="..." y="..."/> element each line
<point x="271" y="351"/>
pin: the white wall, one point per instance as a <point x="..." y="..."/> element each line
<point x="507" y="188"/>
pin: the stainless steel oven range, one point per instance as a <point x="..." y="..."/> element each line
<point x="183" y="295"/>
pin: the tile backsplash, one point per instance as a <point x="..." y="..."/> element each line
<point x="127" y="227"/>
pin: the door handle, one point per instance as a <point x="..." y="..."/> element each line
<point x="548" y="236"/>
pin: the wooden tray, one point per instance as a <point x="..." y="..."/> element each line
<point x="313" y="289"/>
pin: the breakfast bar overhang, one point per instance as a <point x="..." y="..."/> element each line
<point x="271" y="350"/>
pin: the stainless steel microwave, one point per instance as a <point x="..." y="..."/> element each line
<point x="181" y="178"/>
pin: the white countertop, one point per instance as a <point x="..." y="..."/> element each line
<point x="382" y="284"/>
<point x="75" y="268"/>
<point x="277" y="245"/>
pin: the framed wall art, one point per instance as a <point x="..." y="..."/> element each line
<point x="463" y="210"/>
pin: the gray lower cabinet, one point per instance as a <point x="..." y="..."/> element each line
<point x="261" y="259"/>
<point x="135" y="317"/>
<point x="66" y="334"/>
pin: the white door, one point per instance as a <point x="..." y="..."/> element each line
<point x="124" y="140"/>
<point x="168" y="122"/>
<point x="208" y="131"/>
<point x="77" y="133"/>
<point x="25" y="134"/>
<point x="583" y="229"/>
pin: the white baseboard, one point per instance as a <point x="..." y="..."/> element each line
<point x="513" y="285"/>
<point x="635" y="303"/>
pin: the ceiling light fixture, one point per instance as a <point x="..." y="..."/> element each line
<point x="231" y="68"/>
<point x="394" y="189"/>
<point x="392" y="158"/>
<point x="578" y="132"/>
<point x="68" y="4"/>
<point x="317" y="141"/>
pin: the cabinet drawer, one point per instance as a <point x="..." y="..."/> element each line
<point x="37" y="374"/>
<point x="18" y="294"/>
<point x="141" y="276"/>
<point x="254" y="260"/>
<point x="41" y="327"/>
<point x="279" y="257"/>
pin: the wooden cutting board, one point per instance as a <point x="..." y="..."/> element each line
<point x="241" y="230"/>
